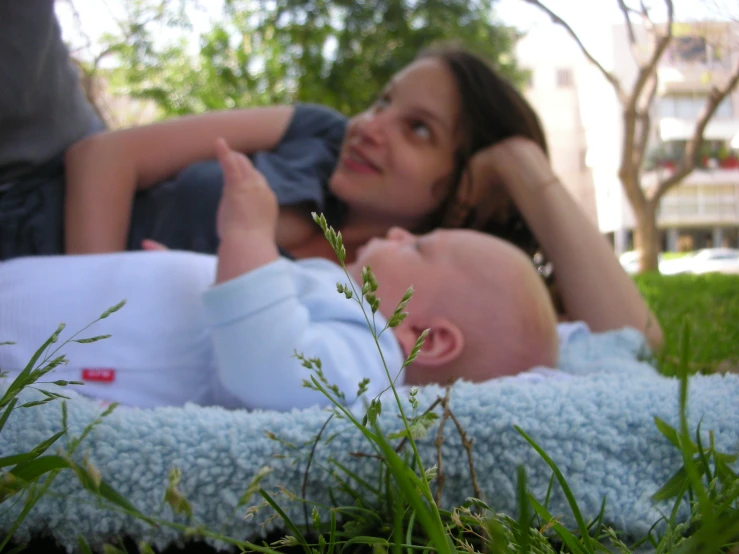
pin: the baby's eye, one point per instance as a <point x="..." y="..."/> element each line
<point x="382" y="102"/>
<point x="420" y="129"/>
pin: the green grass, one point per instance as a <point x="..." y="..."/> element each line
<point x="710" y="303"/>
<point x="675" y="255"/>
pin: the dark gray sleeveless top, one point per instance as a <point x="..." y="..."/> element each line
<point x="181" y="212"/>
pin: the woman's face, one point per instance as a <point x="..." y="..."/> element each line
<point x="396" y="162"/>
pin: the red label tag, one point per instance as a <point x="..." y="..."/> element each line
<point x="99" y="375"/>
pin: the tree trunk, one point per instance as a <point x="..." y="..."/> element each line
<point x="646" y="238"/>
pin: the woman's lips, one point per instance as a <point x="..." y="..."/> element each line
<point x="357" y="163"/>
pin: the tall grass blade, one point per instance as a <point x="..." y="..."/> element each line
<point x="294" y="528"/>
<point x="410" y="484"/>
<point x="567" y="537"/>
<point x="37" y="450"/>
<point x="6" y="413"/>
<point x="524" y="518"/>
<point x="565" y="488"/>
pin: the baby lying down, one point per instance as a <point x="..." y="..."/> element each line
<point x="224" y="330"/>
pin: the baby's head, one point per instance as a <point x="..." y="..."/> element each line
<point x="487" y="309"/>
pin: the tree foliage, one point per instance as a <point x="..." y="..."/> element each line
<point x="260" y="52"/>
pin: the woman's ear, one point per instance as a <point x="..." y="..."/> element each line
<point x="444" y="342"/>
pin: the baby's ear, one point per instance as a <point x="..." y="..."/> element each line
<point x="444" y="342"/>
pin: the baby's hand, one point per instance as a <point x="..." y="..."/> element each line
<point x="248" y="206"/>
<point x="153" y="246"/>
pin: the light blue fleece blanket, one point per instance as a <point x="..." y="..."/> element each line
<point x="598" y="427"/>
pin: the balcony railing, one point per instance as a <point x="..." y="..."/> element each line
<point x="699" y="210"/>
<point x="699" y="176"/>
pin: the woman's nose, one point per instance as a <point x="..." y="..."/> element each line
<point x="372" y="126"/>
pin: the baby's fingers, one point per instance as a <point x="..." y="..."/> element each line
<point x="236" y="167"/>
<point x="152" y="245"/>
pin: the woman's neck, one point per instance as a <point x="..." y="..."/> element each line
<point x="357" y="229"/>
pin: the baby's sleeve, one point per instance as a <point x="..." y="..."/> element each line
<point x="259" y="321"/>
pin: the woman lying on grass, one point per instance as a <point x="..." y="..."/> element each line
<point x="485" y="311"/>
<point x="448" y="143"/>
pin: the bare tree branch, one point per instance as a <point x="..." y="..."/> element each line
<point x="645" y="124"/>
<point x="670" y="11"/>
<point x="660" y="45"/>
<point x="627" y="173"/>
<point x="117" y="21"/>
<point x="690" y="160"/>
<point x="635" y="112"/>
<point x="646" y="18"/>
<point x="626" y="11"/>
<point x="78" y="26"/>
<point x="607" y="74"/>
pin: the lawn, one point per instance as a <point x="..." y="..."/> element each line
<point x="709" y="304"/>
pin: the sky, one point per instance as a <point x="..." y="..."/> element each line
<point x="588" y="18"/>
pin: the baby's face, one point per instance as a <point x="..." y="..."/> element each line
<point x="431" y="263"/>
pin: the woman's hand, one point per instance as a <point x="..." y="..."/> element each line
<point x="593" y="285"/>
<point x="516" y="165"/>
<point x="500" y="177"/>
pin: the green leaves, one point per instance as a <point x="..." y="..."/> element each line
<point x="418" y="426"/>
<point x="369" y="283"/>
<point x="416" y="348"/>
<point x="373" y="412"/>
<point x="21" y="459"/>
<point x="112" y="310"/>
<point x="345" y="290"/>
<point x="399" y="314"/>
<point x="92" y="339"/>
<point x="709" y="464"/>
<point x="337" y="53"/>
<point x="174" y="497"/>
<point x="254" y="485"/>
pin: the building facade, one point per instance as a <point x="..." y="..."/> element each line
<point x="555" y="92"/>
<point x="585" y="123"/>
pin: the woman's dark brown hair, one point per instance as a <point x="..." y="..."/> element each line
<point x="491" y="110"/>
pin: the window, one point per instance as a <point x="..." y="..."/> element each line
<point x="724" y="109"/>
<point x="689" y="49"/>
<point x="686" y="106"/>
<point x="689" y="107"/>
<point x="667" y="107"/>
<point x="564" y="78"/>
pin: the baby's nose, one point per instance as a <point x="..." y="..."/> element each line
<point x="399" y="234"/>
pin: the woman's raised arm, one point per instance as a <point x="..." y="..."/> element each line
<point x="593" y="285"/>
<point x="104" y="171"/>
